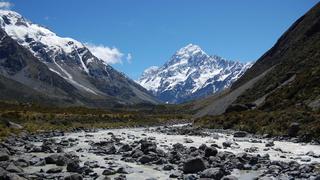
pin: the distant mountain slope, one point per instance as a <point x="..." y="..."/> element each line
<point x="280" y="88"/>
<point x="284" y="76"/>
<point x="191" y="74"/>
<point x="67" y="63"/>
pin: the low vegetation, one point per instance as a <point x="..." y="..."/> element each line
<point x="35" y="118"/>
<point x="274" y="123"/>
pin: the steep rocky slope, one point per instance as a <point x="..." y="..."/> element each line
<point x="61" y="67"/>
<point x="282" y="87"/>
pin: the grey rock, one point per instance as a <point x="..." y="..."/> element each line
<point x="240" y="134"/>
<point x="148" y="146"/>
<point x="74" y="177"/>
<point x="269" y="144"/>
<point x="229" y="177"/>
<point x="188" y="140"/>
<point x="194" y="165"/>
<point x="125" y="148"/>
<point x="145" y="159"/>
<point x="227" y="144"/>
<point x="108" y="172"/>
<point x="4" y="156"/>
<point x="74" y="167"/>
<point x="305" y="159"/>
<point x="213" y="173"/>
<point x="168" y="167"/>
<point x="210" y="151"/>
<point x="54" y="170"/>
<point x="13" y="168"/>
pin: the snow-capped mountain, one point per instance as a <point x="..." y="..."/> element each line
<point x="191" y="74"/>
<point x="71" y="60"/>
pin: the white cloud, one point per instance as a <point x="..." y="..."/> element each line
<point x="129" y="58"/>
<point x="5" y="5"/>
<point x="107" y="54"/>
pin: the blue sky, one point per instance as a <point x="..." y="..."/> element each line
<point x="152" y="30"/>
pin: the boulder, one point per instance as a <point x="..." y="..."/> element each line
<point x="52" y="159"/>
<point x="4" y="156"/>
<point x="73" y="166"/>
<point x="13" y="168"/>
<point x="227" y="144"/>
<point x="240" y="134"/>
<point x="54" y="170"/>
<point x="188" y="140"/>
<point x="125" y="148"/>
<point x="168" y="167"/>
<point x="3" y="172"/>
<point x="236" y="108"/>
<point x="148" y="146"/>
<point x="293" y="129"/>
<point x="73" y="177"/>
<point x="136" y="153"/>
<point x="269" y="144"/>
<point x="108" y="172"/>
<point x="145" y="159"/>
<point x="210" y="151"/>
<point x="194" y="165"/>
<point x="212" y="173"/>
<point x="110" y="149"/>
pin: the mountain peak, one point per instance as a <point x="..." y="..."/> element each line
<point x="190" y="49"/>
<point x="190" y="74"/>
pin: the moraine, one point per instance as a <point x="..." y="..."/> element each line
<point x="146" y="152"/>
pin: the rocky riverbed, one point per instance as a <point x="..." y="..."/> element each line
<point x="164" y="152"/>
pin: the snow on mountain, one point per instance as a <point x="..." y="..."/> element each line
<point x="190" y="74"/>
<point x="70" y="59"/>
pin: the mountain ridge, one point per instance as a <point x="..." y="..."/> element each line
<point x="72" y="61"/>
<point x="190" y="74"/>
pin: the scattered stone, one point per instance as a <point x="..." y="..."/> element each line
<point x="168" y="167"/>
<point x="125" y="148"/>
<point x="4" y="156"/>
<point x="210" y="151"/>
<point x="13" y="168"/>
<point x="145" y="159"/>
<point x="212" y="173"/>
<point x="74" y="177"/>
<point x="54" y="170"/>
<point x="188" y="140"/>
<point x="227" y="144"/>
<point x="148" y="146"/>
<point x="108" y="172"/>
<point x="269" y="144"/>
<point x="240" y="134"/>
<point x="73" y="167"/>
<point x="305" y="159"/>
<point x="194" y="165"/>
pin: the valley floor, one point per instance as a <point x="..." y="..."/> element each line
<point x="162" y="152"/>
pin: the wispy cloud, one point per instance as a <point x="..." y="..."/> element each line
<point x="129" y="58"/>
<point x="5" y="5"/>
<point x="107" y="54"/>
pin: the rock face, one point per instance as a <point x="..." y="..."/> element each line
<point x="191" y="74"/>
<point x="61" y="68"/>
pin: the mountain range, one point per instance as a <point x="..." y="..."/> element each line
<point x="191" y="74"/>
<point x="58" y="70"/>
